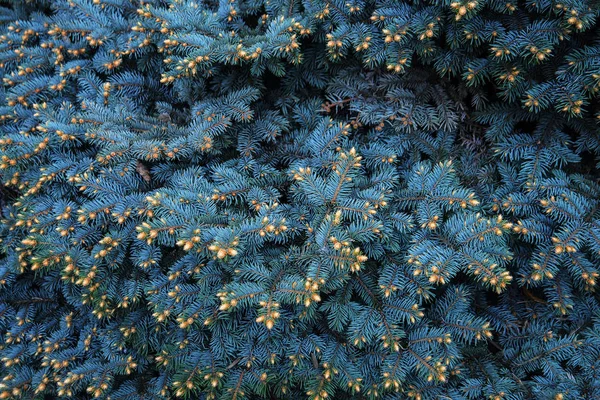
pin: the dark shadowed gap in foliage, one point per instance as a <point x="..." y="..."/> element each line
<point x="7" y="196"/>
<point x="271" y="82"/>
<point x="534" y="294"/>
<point x="588" y="163"/>
<point x="252" y="20"/>
<point x="525" y="126"/>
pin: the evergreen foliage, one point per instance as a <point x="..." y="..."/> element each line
<point x="288" y="199"/>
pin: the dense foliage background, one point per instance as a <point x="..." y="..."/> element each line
<point x="285" y="199"/>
